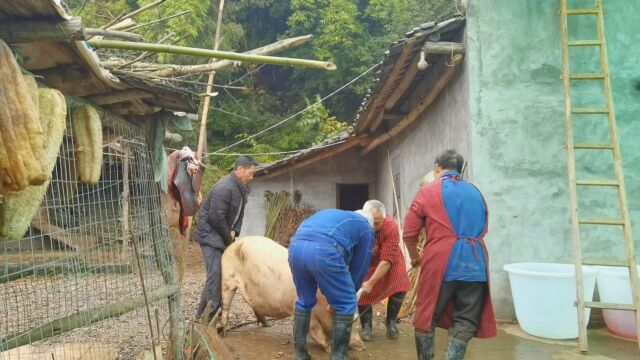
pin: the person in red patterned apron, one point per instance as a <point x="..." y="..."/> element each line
<point x="453" y="286"/>
<point x="387" y="276"/>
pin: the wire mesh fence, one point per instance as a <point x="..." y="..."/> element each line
<point x="77" y="284"/>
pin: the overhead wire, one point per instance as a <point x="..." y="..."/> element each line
<point x="301" y="111"/>
<point x="315" y="147"/>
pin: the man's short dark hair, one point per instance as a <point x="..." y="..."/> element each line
<point x="244" y="161"/>
<point x="450" y="160"/>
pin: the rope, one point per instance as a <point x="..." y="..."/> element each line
<point x="301" y="111"/>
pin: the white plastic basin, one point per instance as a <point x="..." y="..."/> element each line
<point x="544" y="295"/>
<point x="614" y="287"/>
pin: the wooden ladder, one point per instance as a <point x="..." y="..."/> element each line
<point x="612" y="147"/>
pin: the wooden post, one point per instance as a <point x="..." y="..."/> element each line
<point x="207" y="98"/>
<point x="125" y="202"/>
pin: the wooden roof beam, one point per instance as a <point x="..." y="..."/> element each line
<point x="312" y="159"/>
<point x="372" y="120"/>
<point x="394" y="116"/>
<point x="401" y="89"/>
<point x="443" y="47"/>
<point x="398" y="70"/>
<point x="418" y="110"/>
<point x="119" y="96"/>
<point x="24" y="31"/>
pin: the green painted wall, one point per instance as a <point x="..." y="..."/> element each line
<point x="517" y="128"/>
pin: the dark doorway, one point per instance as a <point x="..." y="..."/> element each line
<point x="352" y="196"/>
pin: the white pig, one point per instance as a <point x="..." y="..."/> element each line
<point x="259" y="267"/>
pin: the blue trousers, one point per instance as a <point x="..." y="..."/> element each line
<point x="319" y="264"/>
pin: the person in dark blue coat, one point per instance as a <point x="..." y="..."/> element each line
<point x="330" y="250"/>
<point x="219" y="223"/>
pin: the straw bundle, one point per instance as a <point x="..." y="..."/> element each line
<point x="284" y="216"/>
<point x="274" y="203"/>
<point x="290" y="218"/>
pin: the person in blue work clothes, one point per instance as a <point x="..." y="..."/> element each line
<point x="453" y="287"/>
<point x="330" y="250"/>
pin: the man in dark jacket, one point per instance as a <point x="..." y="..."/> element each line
<point x="219" y="224"/>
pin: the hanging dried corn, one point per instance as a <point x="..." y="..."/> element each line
<point x="18" y="208"/>
<point x="87" y="136"/>
<point x="21" y="138"/>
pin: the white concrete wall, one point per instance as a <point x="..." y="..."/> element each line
<point x="317" y="182"/>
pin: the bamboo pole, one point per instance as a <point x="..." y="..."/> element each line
<point x="403" y="246"/>
<point x="145" y="54"/>
<point x="145" y="296"/>
<point x="278" y="46"/>
<point x="113" y="21"/>
<point x="182" y="50"/>
<point x="207" y="99"/>
<point x="571" y="174"/>
<point x="83" y="318"/>
<point x="173" y="70"/>
<point x="142" y="9"/>
<point x="157" y="21"/>
<point x="123" y="35"/>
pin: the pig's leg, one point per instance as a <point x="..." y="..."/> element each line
<point x="229" y="289"/>
<point x="318" y="335"/>
<point x="261" y="319"/>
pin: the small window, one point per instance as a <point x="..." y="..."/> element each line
<point x="352" y="196"/>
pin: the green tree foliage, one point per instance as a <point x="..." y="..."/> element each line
<point x="354" y="34"/>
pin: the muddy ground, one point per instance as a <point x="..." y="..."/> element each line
<point x="257" y="342"/>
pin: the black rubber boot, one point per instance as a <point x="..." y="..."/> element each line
<point x="455" y="349"/>
<point x="393" y="309"/>
<point x="425" y="344"/>
<point x="341" y="336"/>
<point x="366" y="320"/>
<point x="301" y="321"/>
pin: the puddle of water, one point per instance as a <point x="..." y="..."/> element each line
<point x="274" y="343"/>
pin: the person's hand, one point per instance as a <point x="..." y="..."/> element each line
<point x="366" y="287"/>
<point x="415" y="262"/>
<point x="233" y="235"/>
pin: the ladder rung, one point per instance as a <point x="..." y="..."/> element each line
<point x="592" y="146"/>
<point x="582" y="12"/>
<point x="602" y="222"/>
<point x="594" y="182"/>
<point x="618" y="263"/>
<point x="593" y="76"/>
<point x="590" y="111"/>
<point x="585" y="43"/>
<point x="600" y="305"/>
